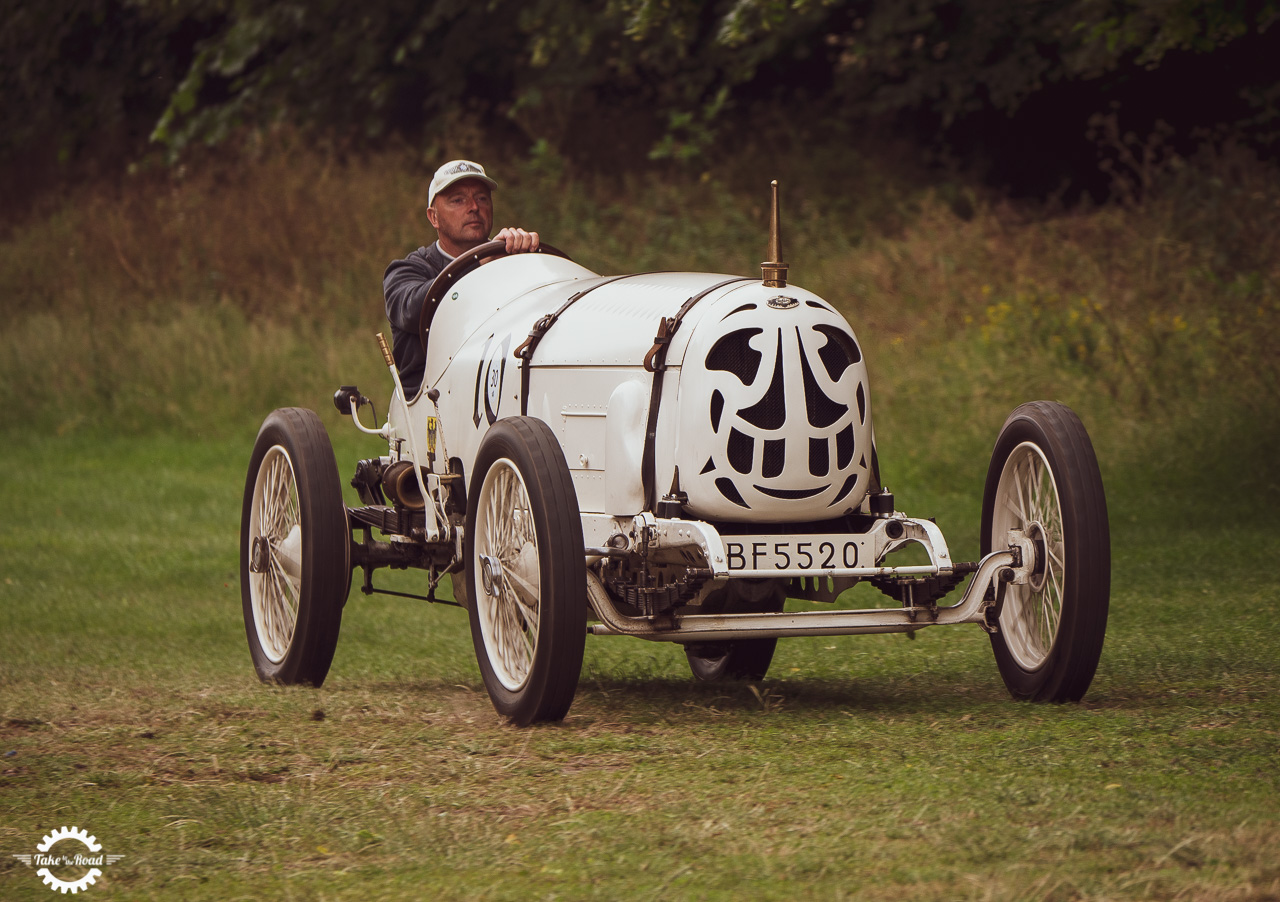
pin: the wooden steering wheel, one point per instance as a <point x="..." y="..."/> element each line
<point x="456" y="267"/>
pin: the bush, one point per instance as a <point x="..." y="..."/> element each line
<point x="202" y="297"/>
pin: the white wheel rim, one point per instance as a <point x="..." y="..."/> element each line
<point x="505" y="545"/>
<point x="276" y="521"/>
<point x="1027" y="499"/>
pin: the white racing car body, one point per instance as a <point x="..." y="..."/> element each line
<point x="664" y="455"/>
<point x="763" y="410"/>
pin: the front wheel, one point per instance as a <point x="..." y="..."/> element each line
<point x="526" y="572"/>
<point x="1044" y="481"/>
<point x="294" y="550"/>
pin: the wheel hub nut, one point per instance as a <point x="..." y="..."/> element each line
<point x="490" y="574"/>
<point x="259" y="554"/>
<point x="1040" y="566"/>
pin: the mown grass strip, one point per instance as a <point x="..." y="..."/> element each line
<point x="864" y="767"/>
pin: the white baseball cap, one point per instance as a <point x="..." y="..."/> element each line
<point x="456" y="171"/>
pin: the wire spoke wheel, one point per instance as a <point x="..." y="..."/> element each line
<point x="1044" y="482"/>
<point x="1027" y="499"/>
<point x="294" y="550"/>
<point x="275" y="542"/>
<point x="526" y="572"/>
<point x="507" y="548"/>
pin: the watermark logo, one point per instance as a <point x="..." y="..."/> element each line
<point x="69" y="859"/>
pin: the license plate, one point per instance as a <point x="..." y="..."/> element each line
<point x="807" y="552"/>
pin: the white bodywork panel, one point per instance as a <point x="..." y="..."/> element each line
<point x="763" y="418"/>
<point x="764" y="407"/>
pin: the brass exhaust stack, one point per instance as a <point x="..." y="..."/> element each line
<point x="401" y="486"/>
<point x="773" y="270"/>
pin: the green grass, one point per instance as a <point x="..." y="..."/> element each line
<point x="864" y="767"/>
<point x="148" y="328"/>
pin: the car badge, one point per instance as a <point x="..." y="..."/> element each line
<point x="782" y="302"/>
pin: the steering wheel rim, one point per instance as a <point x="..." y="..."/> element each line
<point x="495" y="248"/>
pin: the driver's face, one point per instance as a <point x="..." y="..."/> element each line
<point x="463" y="215"/>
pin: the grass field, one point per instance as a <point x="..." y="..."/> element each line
<point x="147" y="330"/>
<point x="864" y="767"/>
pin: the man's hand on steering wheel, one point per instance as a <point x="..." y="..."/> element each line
<point x="481" y="254"/>
<point x="518" y="240"/>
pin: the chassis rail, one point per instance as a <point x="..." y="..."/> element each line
<point x="996" y="569"/>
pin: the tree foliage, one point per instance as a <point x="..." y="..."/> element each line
<point x="194" y="70"/>
<point x="958" y="55"/>
<point x="75" y="71"/>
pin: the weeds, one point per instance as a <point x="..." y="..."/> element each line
<point x="207" y="295"/>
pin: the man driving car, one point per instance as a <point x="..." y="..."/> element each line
<point x="460" y="209"/>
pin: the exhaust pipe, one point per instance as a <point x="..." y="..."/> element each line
<point x="401" y="485"/>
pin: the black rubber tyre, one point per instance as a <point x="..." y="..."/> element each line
<point x="1044" y="479"/>
<point x="294" y="550"/>
<point x="526" y="572"/>
<point x="738" y="659"/>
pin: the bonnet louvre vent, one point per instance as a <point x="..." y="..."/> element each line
<point x="771" y="411"/>
<point x="844" y="447"/>
<point x="742" y="449"/>
<point x="839" y="353"/>
<point x="819" y="457"/>
<point x="730" y="491"/>
<point x="775" y="455"/>
<point x="790" y="494"/>
<point x="822" y="410"/>
<point x="845" y="489"/>
<point x="733" y="354"/>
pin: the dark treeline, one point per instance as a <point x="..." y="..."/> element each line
<point x="1021" y="94"/>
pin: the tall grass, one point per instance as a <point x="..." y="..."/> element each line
<point x="199" y="298"/>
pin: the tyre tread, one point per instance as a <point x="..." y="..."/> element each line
<point x="1074" y="658"/>
<point x="325" y="548"/>
<point x="553" y="680"/>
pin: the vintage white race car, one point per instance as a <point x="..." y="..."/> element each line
<point x="665" y="455"/>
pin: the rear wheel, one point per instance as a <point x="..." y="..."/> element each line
<point x="738" y="659"/>
<point x="294" y="550"/>
<point x="526" y="572"/>
<point x="1044" y="481"/>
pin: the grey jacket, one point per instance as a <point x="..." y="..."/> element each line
<point x="404" y="286"/>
